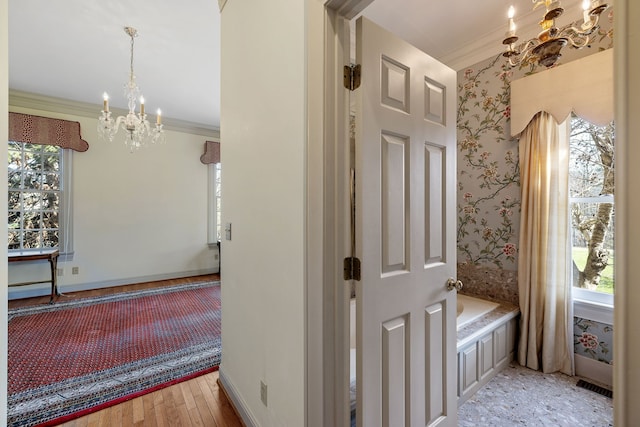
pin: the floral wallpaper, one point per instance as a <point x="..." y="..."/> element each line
<point x="488" y="172"/>
<point x="488" y="199"/>
<point x="593" y="340"/>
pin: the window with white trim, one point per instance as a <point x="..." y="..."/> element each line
<point x="38" y="203"/>
<point x="215" y="203"/>
<point x="218" y="197"/>
<point x="592" y="209"/>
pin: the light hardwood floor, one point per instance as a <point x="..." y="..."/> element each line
<point x="197" y="402"/>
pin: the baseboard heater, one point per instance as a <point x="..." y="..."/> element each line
<point x="600" y="390"/>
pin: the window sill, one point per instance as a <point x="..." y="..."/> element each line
<point x="63" y="257"/>
<point x="596" y="311"/>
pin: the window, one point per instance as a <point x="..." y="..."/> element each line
<point x="218" y="196"/>
<point x="215" y="200"/>
<point x="591" y="189"/>
<point x="38" y="205"/>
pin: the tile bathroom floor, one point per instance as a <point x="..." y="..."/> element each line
<point x="519" y="396"/>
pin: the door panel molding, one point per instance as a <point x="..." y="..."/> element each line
<point x="395" y="372"/>
<point x="394" y="202"/>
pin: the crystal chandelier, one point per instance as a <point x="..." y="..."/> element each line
<point x="138" y="131"/>
<point x="545" y="48"/>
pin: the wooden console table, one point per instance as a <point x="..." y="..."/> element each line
<point x="50" y="255"/>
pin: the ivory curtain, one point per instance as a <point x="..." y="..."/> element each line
<point x="546" y="340"/>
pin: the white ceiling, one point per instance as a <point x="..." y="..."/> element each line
<point x="77" y="49"/>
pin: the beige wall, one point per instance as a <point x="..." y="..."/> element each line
<point x="627" y="299"/>
<point x="4" y="132"/>
<point x="136" y="216"/>
<point x="264" y="130"/>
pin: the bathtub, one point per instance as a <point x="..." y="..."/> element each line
<point x="470" y="309"/>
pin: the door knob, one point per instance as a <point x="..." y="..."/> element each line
<point x="454" y="284"/>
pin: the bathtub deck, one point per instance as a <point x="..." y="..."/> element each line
<point x="504" y="311"/>
<point x="484" y="348"/>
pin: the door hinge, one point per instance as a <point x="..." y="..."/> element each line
<point x="352" y="75"/>
<point x="352" y="268"/>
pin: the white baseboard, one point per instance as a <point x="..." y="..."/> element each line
<point x="239" y="403"/>
<point x="45" y="288"/>
<point x="594" y="370"/>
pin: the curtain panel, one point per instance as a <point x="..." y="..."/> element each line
<point x="546" y="339"/>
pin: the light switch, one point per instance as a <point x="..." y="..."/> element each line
<point x="227" y="230"/>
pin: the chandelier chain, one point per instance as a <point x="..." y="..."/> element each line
<point x="131" y="67"/>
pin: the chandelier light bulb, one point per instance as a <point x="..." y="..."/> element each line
<point x="159" y="117"/>
<point x="512" y="25"/>
<point x="105" y="102"/>
<point x="586" y="5"/>
<point x="510" y="36"/>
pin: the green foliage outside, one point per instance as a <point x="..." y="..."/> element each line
<point x="34" y="173"/>
<point x="606" y="279"/>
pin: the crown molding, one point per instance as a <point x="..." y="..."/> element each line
<point x="84" y="109"/>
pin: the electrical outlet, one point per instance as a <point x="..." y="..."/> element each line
<point x="75" y="270"/>
<point x="60" y="272"/>
<point x="263" y="393"/>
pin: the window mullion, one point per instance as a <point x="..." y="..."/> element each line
<point x="39" y="195"/>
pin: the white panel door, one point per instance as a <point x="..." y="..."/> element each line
<point x="405" y="183"/>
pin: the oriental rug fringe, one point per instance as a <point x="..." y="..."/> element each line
<point x="73" y="358"/>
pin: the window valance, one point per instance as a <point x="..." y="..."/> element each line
<point x="45" y="130"/>
<point x="211" y="153"/>
<point x="584" y="86"/>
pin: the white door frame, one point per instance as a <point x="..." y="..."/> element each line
<point x="626" y="367"/>
<point x="330" y="400"/>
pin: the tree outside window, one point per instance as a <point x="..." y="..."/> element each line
<point x="591" y="188"/>
<point x="35" y="197"/>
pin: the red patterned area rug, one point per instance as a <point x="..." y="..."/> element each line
<point x="73" y="358"/>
